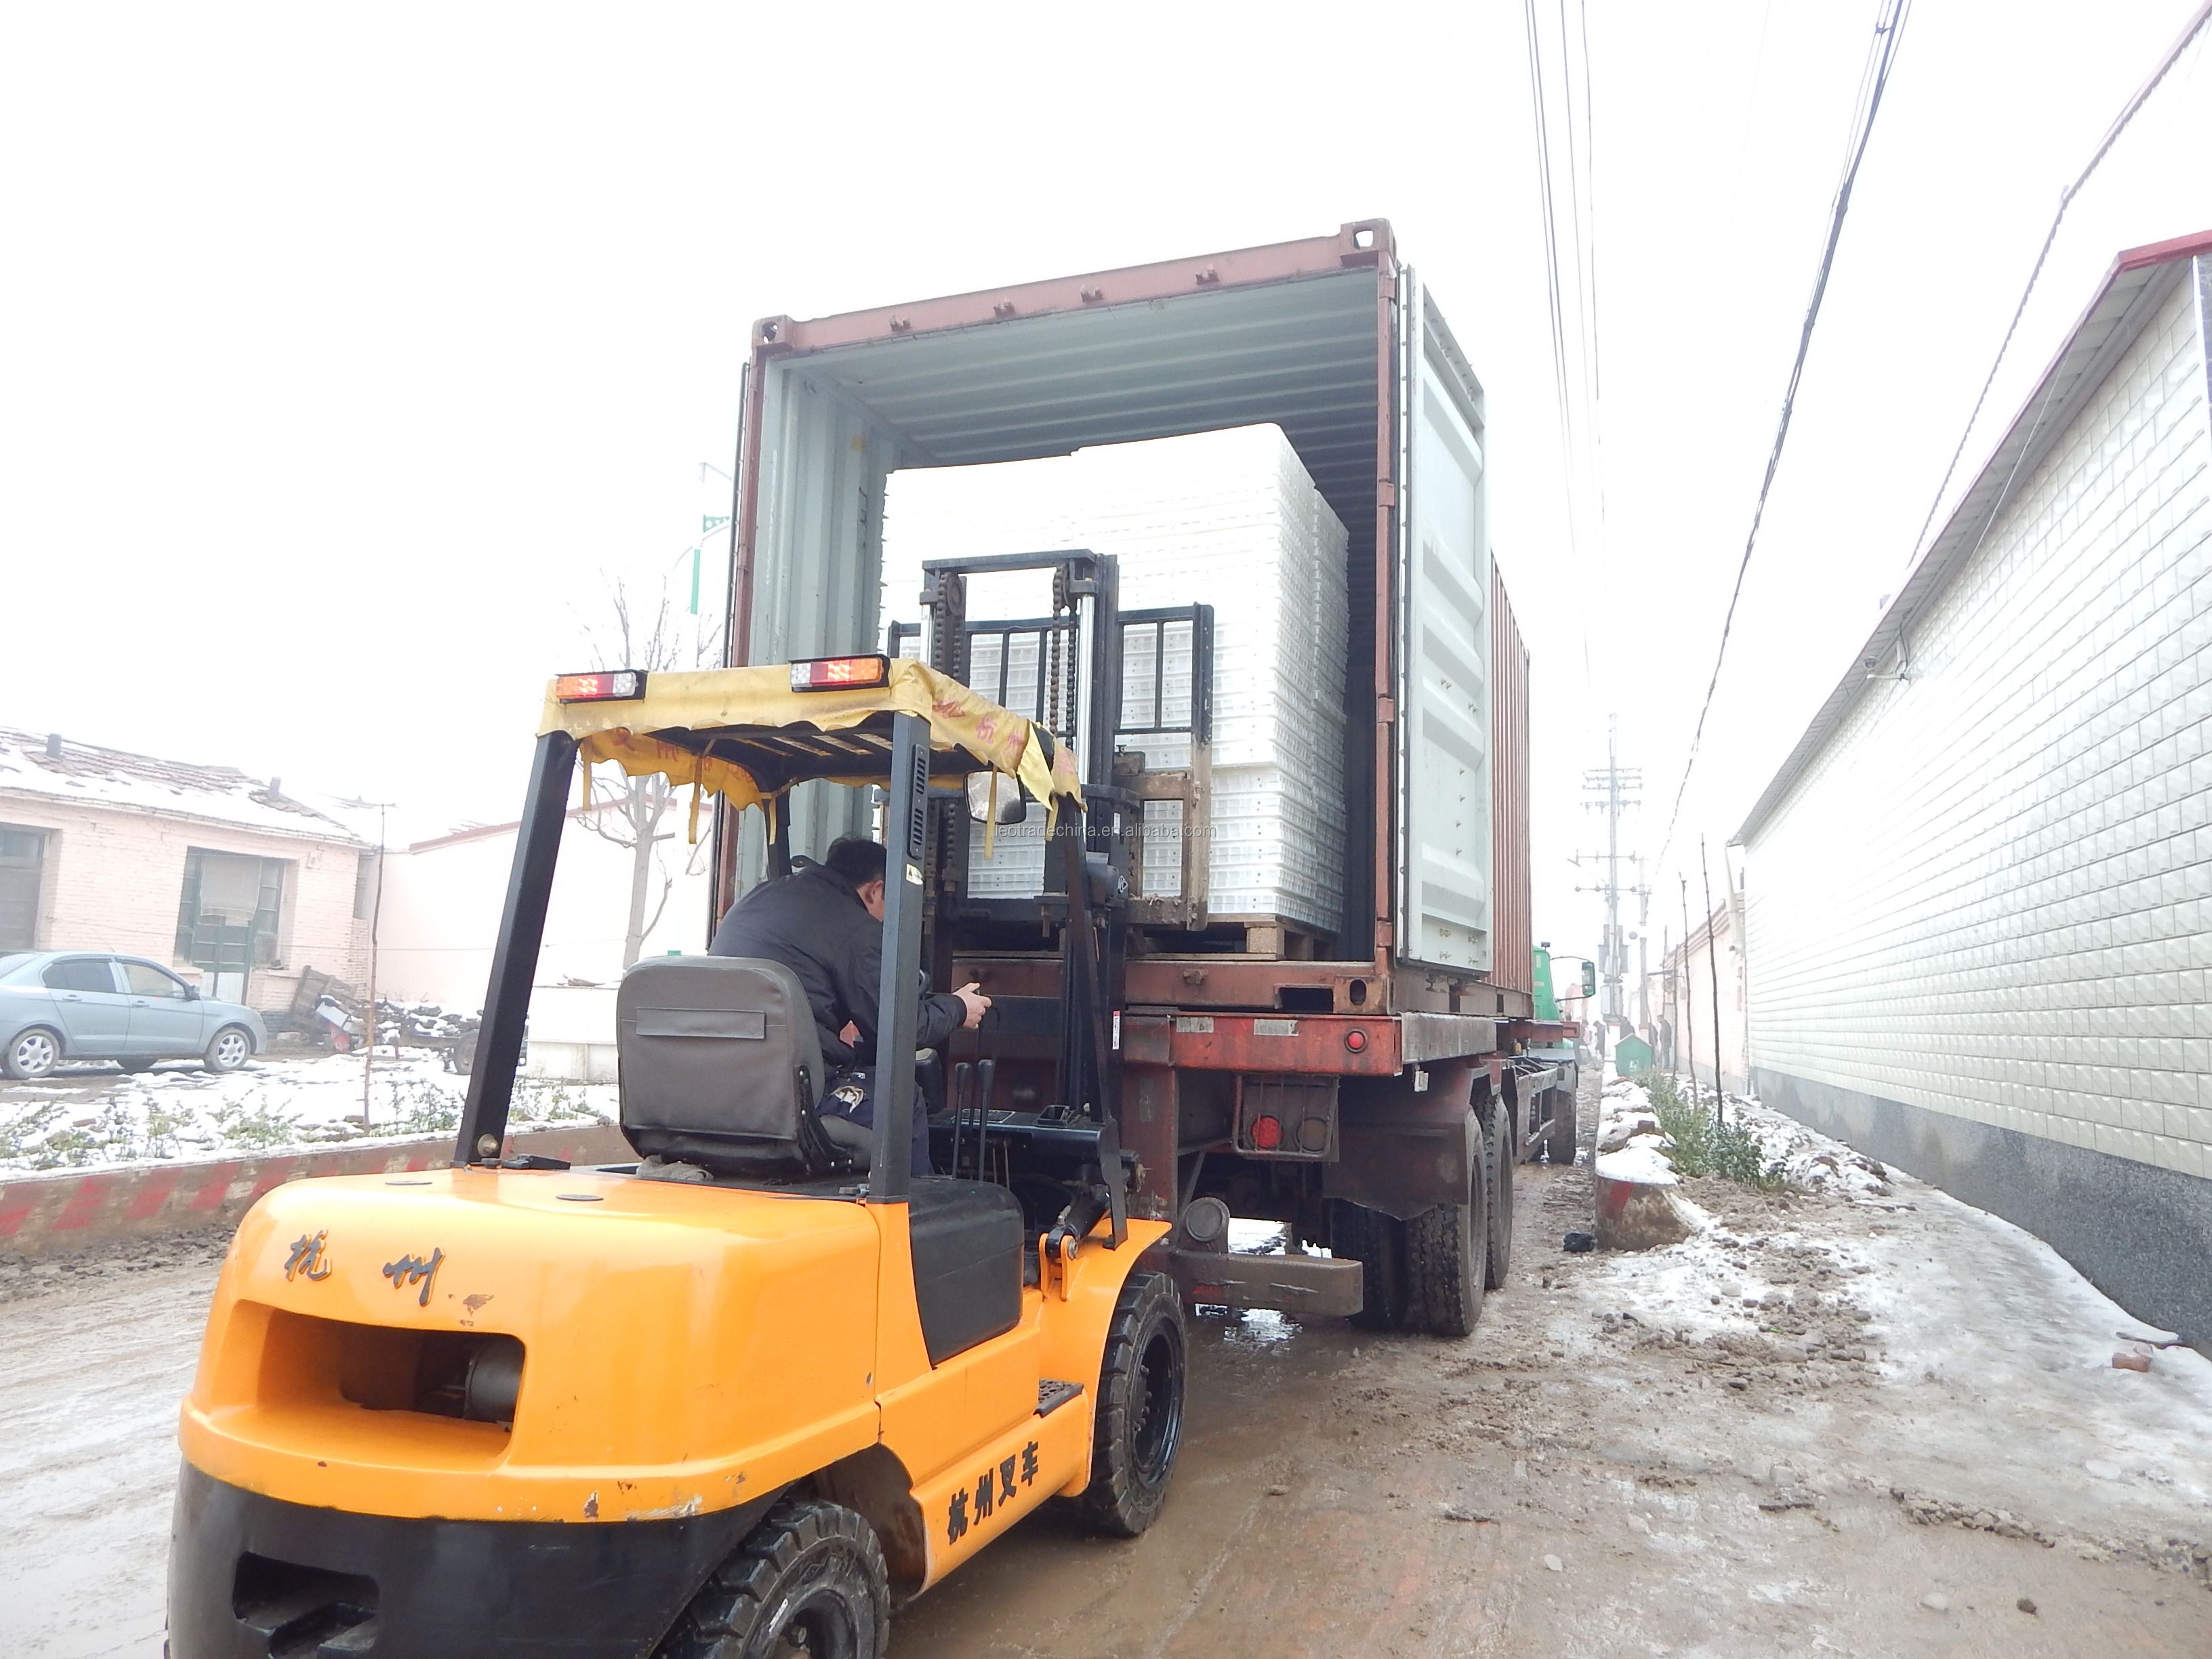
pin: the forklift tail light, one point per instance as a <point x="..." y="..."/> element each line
<point x="1267" y="1133"/>
<point x="840" y="673"/>
<point x="617" y="685"/>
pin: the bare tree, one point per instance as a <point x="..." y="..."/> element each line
<point x="632" y="809"/>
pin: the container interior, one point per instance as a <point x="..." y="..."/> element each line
<point x="1300" y="354"/>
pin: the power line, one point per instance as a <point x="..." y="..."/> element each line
<point x="1570" y="257"/>
<point x="1883" y="55"/>
<point x="2188" y="32"/>
<point x="1547" y="198"/>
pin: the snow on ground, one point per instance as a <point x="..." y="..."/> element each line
<point x="90" y="1117"/>
<point x="1991" y="1358"/>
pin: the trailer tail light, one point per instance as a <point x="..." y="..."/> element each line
<point x="1286" y="1115"/>
<point x="840" y="673"/>
<point x="1356" y="1041"/>
<point x="616" y="685"/>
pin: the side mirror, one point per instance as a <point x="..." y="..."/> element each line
<point x="1589" y="979"/>
<point x="191" y="994"/>
<point x="1012" y="809"/>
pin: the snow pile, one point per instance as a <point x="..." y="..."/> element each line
<point x="1641" y="1161"/>
<point x="1630" y="1146"/>
<point x="274" y="1104"/>
<point x="1808" y="1160"/>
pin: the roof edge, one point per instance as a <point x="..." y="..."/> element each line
<point x="1949" y="550"/>
<point x="331" y="834"/>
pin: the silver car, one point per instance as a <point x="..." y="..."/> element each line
<point x="86" y="1005"/>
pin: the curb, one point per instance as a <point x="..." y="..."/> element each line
<point x="46" y="1214"/>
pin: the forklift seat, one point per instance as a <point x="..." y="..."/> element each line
<point x="720" y="1065"/>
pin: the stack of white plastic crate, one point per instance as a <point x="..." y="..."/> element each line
<point x="1227" y="519"/>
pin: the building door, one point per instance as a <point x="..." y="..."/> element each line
<point x="22" y="869"/>
<point x="227" y="925"/>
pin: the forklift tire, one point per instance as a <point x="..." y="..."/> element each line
<point x="810" y="1579"/>
<point x="1377" y="1242"/>
<point x="1448" y="1258"/>
<point x="1503" y="1157"/>
<point x="1139" y="1422"/>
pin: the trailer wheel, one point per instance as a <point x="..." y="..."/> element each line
<point x="1560" y="1143"/>
<point x="1448" y="1257"/>
<point x="810" y="1579"/>
<point x="1377" y="1242"/>
<point x="1503" y="1154"/>
<point x="1138" y="1426"/>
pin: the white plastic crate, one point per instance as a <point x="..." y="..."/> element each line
<point x="1227" y="519"/>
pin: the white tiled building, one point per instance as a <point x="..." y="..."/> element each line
<point x="1979" y="911"/>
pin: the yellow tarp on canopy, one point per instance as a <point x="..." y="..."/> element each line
<point x="707" y="700"/>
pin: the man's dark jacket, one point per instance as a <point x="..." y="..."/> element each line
<point x="814" y="923"/>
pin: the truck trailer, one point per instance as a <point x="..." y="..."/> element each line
<point x="1372" y="1087"/>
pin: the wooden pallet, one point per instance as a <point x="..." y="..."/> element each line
<point x="1262" y="937"/>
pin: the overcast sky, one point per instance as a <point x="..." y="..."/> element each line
<point x="344" y="351"/>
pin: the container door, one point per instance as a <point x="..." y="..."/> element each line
<point x="1443" y="662"/>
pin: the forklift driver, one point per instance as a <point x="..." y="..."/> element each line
<point x="825" y="923"/>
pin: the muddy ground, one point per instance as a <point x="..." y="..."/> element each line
<point x="1773" y="1452"/>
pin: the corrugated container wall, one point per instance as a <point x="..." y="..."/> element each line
<point x="1513" y="953"/>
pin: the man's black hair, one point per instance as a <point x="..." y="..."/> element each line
<point x="857" y="859"/>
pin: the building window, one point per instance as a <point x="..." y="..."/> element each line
<point x="227" y="922"/>
<point x="22" y="868"/>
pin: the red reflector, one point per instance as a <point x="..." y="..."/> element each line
<point x="1267" y="1133"/>
<point x="840" y="673"/>
<point x="616" y="685"/>
<point x="1356" y="1041"/>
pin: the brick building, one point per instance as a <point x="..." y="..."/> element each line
<point x="222" y="877"/>
<point x="1979" y="911"/>
<point x="1680" y="994"/>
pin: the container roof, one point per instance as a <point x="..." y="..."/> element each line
<point x="2139" y="283"/>
<point x="1293" y="346"/>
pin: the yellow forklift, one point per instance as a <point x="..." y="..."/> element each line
<point x="517" y="1409"/>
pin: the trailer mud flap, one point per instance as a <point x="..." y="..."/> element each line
<point x="1309" y="1285"/>
<point x="1405" y="1169"/>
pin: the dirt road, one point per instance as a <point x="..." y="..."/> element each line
<point x="1780" y="1439"/>
<point x="1569" y="1483"/>
<point x="94" y="1355"/>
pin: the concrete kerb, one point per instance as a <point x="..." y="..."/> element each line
<point x="64" y="1210"/>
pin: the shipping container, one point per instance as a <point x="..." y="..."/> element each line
<point x="1412" y="1013"/>
<point x="1335" y="340"/>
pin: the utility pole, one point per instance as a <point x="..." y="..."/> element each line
<point x="1613" y="789"/>
<point x="1713" y="970"/>
<point x="375" y="917"/>
<point x="1685" y="1022"/>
